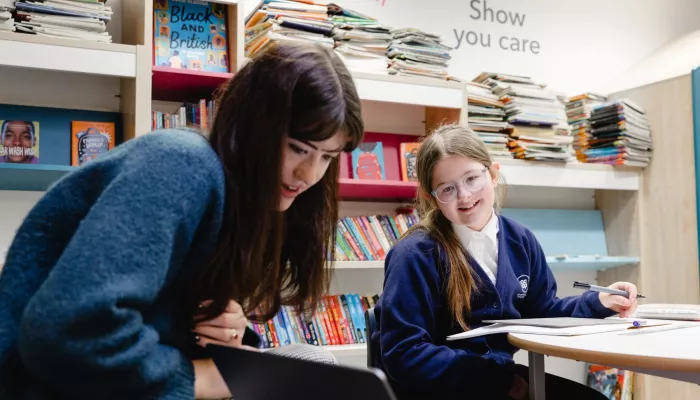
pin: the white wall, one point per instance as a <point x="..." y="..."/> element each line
<point x="14" y="206"/>
<point x="583" y="45"/>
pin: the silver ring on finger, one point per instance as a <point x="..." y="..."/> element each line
<point x="234" y="335"/>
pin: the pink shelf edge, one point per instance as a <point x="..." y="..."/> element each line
<point x="370" y="189"/>
<point x="207" y="74"/>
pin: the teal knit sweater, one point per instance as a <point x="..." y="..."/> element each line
<point x="92" y="289"/>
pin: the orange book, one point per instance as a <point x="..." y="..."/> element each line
<point x="90" y="140"/>
<point x="331" y="333"/>
<point x="335" y="320"/>
<point x="408" y="155"/>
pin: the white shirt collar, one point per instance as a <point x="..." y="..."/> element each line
<point x="466" y="235"/>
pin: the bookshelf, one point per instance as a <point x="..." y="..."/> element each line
<point x="35" y="178"/>
<point x="65" y="55"/>
<point x="171" y="84"/>
<point x="407" y="90"/>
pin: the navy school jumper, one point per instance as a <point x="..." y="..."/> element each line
<point x="414" y="319"/>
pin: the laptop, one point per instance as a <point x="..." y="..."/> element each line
<point x="252" y="375"/>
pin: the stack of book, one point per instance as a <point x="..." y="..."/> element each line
<point x="486" y="117"/>
<point x="620" y="135"/>
<point x="67" y="19"/>
<point x="539" y="131"/>
<point x="7" y="23"/>
<point x="274" y="21"/>
<point x="339" y="320"/>
<point x="413" y="52"/>
<point x="578" y="112"/>
<point x="369" y="238"/>
<point x="361" y="41"/>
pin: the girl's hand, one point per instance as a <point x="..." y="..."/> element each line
<point x="225" y="330"/>
<point x="620" y="304"/>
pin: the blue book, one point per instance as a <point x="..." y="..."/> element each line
<point x="190" y="34"/>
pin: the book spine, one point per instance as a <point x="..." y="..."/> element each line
<point x="317" y="322"/>
<point x="273" y="333"/>
<point x="350" y="237"/>
<point x="363" y="246"/>
<point x="347" y="316"/>
<point x="342" y="322"/>
<point x="327" y="325"/>
<point x="378" y="249"/>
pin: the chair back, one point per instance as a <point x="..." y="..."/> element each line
<point x="371" y="323"/>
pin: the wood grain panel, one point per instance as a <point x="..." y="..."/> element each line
<point x="666" y="214"/>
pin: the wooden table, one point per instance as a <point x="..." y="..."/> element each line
<point x="673" y="354"/>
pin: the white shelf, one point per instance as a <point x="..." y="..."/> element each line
<point x="358" y="265"/>
<point x="570" y="175"/>
<point x="408" y="90"/>
<point x="65" y="55"/>
<point x="359" y="349"/>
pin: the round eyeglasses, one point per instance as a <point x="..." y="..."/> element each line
<point x="472" y="181"/>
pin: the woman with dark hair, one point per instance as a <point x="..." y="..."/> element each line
<point x="171" y="233"/>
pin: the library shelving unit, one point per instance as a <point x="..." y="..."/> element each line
<point x="45" y="72"/>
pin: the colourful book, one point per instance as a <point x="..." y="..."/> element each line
<point x="19" y="142"/>
<point x="90" y="140"/>
<point x="408" y="155"/>
<point x="190" y="34"/>
<point x="368" y="161"/>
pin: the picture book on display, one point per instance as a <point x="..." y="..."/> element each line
<point x="19" y="142"/>
<point x="408" y="155"/>
<point x="90" y="140"/>
<point x="368" y="161"/>
<point x="190" y="34"/>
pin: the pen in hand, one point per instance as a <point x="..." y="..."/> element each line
<point x="595" y="288"/>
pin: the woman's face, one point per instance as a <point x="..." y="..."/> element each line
<point x="304" y="164"/>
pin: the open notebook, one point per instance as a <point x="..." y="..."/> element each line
<point x="554" y="326"/>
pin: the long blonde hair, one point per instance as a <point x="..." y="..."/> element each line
<point x="446" y="141"/>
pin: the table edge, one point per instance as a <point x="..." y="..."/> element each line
<point x="606" y="358"/>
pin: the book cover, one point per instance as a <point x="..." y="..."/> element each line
<point x="190" y="34"/>
<point x="615" y="384"/>
<point x="409" y="153"/>
<point x="90" y="140"/>
<point x="19" y="142"/>
<point x="368" y="161"/>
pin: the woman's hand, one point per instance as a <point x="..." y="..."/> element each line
<point x="620" y="304"/>
<point x="225" y="330"/>
<point x="208" y="382"/>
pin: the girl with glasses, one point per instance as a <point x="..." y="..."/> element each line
<point x="465" y="263"/>
<point x="172" y="239"/>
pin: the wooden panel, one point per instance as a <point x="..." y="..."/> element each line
<point x="137" y="22"/>
<point x="435" y="117"/>
<point x="236" y="35"/>
<point x="621" y="224"/>
<point x="135" y="95"/>
<point x="668" y="239"/>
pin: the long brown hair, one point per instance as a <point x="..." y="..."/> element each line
<point x="265" y="258"/>
<point x="446" y="141"/>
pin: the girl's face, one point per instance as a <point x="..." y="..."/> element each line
<point x="304" y="164"/>
<point x="464" y="190"/>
